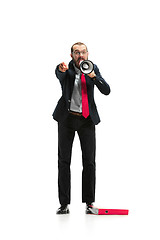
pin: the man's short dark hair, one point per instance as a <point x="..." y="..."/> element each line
<point x="78" y="43"/>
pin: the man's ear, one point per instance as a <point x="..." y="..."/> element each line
<point x="71" y="55"/>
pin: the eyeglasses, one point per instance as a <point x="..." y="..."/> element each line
<point x="79" y="53"/>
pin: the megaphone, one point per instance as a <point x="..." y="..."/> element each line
<point x="86" y="66"/>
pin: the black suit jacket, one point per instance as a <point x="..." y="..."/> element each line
<point x="67" y="83"/>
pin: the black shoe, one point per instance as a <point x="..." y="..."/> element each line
<point x="89" y="208"/>
<point x="63" y="210"/>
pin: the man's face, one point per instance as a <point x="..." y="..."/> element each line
<point x="79" y="53"/>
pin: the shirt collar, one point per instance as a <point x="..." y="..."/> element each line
<point x="77" y="70"/>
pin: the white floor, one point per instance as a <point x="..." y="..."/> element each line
<point x="43" y="223"/>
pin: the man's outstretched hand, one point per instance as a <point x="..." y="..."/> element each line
<point x="63" y="67"/>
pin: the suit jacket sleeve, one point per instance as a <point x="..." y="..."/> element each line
<point x="60" y="75"/>
<point x="101" y="84"/>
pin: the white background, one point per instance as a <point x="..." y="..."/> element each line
<point x="123" y="40"/>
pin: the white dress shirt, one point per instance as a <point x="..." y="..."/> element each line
<point x="76" y="99"/>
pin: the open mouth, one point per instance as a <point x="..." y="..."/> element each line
<point x="80" y="60"/>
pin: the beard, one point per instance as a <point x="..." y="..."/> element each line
<point x="77" y="62"/>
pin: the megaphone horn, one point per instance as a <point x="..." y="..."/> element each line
<point x="86" y="66"/>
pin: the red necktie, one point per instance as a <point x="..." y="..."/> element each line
<point x="85" y="107"/>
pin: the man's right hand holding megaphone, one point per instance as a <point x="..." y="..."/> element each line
<point x="87" y="67"/>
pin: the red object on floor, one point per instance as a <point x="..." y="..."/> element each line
<point x="113" y="212"/>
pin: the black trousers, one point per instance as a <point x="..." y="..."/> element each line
<point x="86" y="132"/>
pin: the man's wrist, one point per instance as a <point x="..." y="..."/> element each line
<point x="94" y="78"/>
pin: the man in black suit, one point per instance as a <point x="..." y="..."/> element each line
<point x="71" y="118"/>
